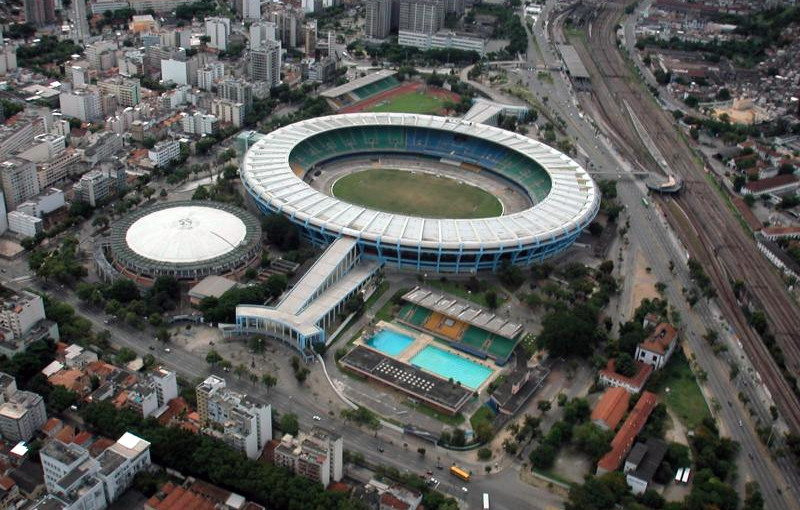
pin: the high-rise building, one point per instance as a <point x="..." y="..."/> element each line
<point x="19" y="181"/>
<point x="208" y="76"/>
<point x="455" y="7"/>
<point x="126" y="90"/>
<point x="83" y="104"/>
<point x="317" y="455"/>
<point x="378" y="21"/>
<point x="40" y="12"/>
<point x="422" y="16"/>
<point x="265" y="64"/>
<point x="21" y="412"/>
<point x="80" y="30"/>
<point x="218" y="29"/>
<point x="19" y="313"/>
<point x="235" y="90"/>
<point x="260" y="32"/>
<point x="311" y="38"/>
<point x="179" y="69"/>
<point x="288" y="28"/>
<point x="228" y="112"/>
<point x="247" y="425"/>
<point x="251" y="9"/>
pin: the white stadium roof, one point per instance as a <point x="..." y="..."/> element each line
<point x="185" y="234"/>
<point x="571" y="202"/>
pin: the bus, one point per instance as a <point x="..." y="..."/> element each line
<point x="460" y="473"/>
<point x="485" y="501"/>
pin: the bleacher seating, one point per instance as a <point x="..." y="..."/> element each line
<point x="473" y="151"/>
<point x="377" y="87"/>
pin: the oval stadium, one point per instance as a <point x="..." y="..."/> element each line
<point x="186" y="240"/>
<point x="539" y="199"/>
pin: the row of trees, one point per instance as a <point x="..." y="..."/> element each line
<point x="223" y="309"/>
<point x="123" y="299"/>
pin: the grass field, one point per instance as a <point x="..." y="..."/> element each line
<point x="412" y="102"/>
<point x="416" y="194"/>
<point x="684" y="397"/>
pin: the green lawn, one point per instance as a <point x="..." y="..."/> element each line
<point x="452" y="420"/>
<point x="460" y="290"/>
<point x="412" y="102"/>
<point x="416" y="194"/>
<point x="482" y="414"/>
<point x="385" y="313"/>
<point x="684" y="397"/>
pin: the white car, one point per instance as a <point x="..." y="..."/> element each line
<point x="464" y="489"/>
<point x="316" y="418"/>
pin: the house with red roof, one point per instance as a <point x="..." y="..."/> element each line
<point x="658" y="347"/>
<point x="626" y="437"/>
<point x="610" y="377"/>
<point x="611" y="407"/>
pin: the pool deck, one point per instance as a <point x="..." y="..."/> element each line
<point x="421" y="341"/>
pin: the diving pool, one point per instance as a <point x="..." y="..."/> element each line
<point x="390" y="342"/>
<point x="447" y="365"/>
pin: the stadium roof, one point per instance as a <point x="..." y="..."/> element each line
<point x="573" y="61"/>
<point x="571" y="203"/>
<point x="186" y="234"/>
<point x="463" y="311"/>
<point x="357" y="83"/>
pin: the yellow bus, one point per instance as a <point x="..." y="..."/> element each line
<point x="460" y="473"/>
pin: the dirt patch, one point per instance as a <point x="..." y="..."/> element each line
<point x="644" y="284"/>
<point x="676" y="432"/>
<point x="572" y="466"/>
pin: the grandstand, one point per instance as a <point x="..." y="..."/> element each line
<point x="463" y="325"/>
<point x="563" y="196"/>
<point x="361" y="88"/>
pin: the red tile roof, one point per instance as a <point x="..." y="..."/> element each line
<point x="661" y="339"/>
<point x="391" y="501"/>
<point x="100" y="446"/>
<point x="66" y="435"/>
<point x="643" y="371"/>
<point x="770" y="183"/>
<point x="623" y="441"/>
<point x="82" y="438"/>
<point x="178" y="498"/>
<point x="52" y="426"/>
<point x="7" y="483"/>
<point x="781" y="231"/>
<point x="612" y="406"/>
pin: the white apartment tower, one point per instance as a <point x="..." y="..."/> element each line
<point x="378" y="21"/>
<point x="218" y="29"/>
<point x="265" y="63"/>
<point x="19" y="181"/>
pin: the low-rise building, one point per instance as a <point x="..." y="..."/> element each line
<point x="624" y="439"/>
<point x="610" y="408"/>
<point x="22" y="415"/>
<point x="658" y="347"/>
<point x="210" y="286"/>
<point x="164" y="152"/>
<point x="634" y="384"/>
<point x="444" y="39"/>
<point x="317" y="455"/>
<point x="642" y="464"/>
<point x="23" y="224"/>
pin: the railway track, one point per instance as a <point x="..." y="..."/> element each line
<point x="726" y="252"/>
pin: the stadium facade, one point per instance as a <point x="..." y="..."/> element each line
<point x="564" y="197"/>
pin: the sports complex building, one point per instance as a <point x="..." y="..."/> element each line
<point x="186" y="240"/>
<point x="555" y="199"/>
<point x="563" y="198"/>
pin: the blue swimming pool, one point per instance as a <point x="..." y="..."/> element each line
<point x="447" y="365"/>
<point x="390" y="342"/>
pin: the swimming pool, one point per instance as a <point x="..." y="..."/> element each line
<point x="447" y="365"/>
<point x="390" y="342"/>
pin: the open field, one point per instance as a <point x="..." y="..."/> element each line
<point x="411" y="102"/>
<point x="677" y="387"/>
<point x="416" y="194"/>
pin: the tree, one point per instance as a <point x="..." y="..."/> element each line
<point x="624" y="365"/>
<point x="491" y="299"/>
<point x="543" y="456"/>
<point x="269" y="381"/>
<point x="276" y="284"/>
<point x="241" y="370"/>
<point x="213" y="357"/>
<point x="544" y="406"/>
<point x="302" y="374"/>
<point x="60" y="399"/>
<point x="289" y="424"/>
<point x="484" y="432"/>
<point x="162" y="334"/>
<point x="458" y="438"/>
<point x="100" y="221"/>
<point x="592" y="440"/>
<point x="599" y="492"/>
<point x="124" y="356"/>
<point x="421" y="451"/>
<point x="484" y="454"/>
<point x="570" y="332"/>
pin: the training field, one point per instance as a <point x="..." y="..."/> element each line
<point x="411" y="102"/>
<point x="416" y="194"/>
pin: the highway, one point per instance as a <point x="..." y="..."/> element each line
<point x="650" y="233"/>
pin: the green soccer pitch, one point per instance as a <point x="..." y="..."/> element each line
<point x="416" y="194"/>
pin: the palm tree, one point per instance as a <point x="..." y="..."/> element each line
<point x="240" y="370"/>
<point x="269" y="381"/>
